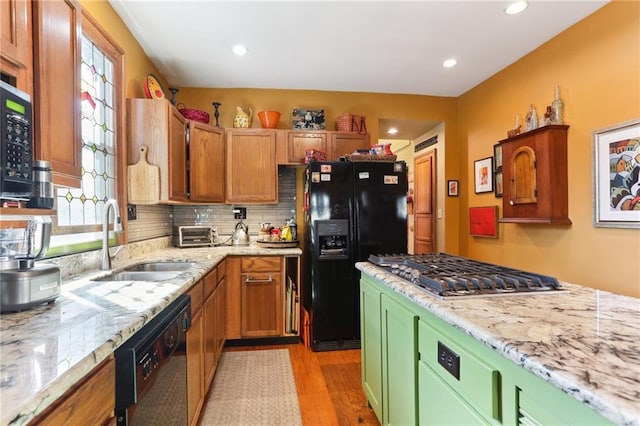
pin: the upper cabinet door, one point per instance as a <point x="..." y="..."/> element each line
<point x="252" y="171"/>
<point x="206" y="160"/>
<point x="299" y="142"/>
<point x="15" y="43"/>
<point x="343" y="143"/>
<point x="57" y="33"/>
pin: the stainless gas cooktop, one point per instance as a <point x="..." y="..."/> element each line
<point x="446" y="276"/>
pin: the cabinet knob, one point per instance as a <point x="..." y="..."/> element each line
<point x="511" y="202"/>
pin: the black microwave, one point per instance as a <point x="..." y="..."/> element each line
<point x="16" y="144"/>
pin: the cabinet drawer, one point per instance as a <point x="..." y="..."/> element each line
<point x="197" y="296"/>
<point x="478" y="382"/>
<point x="210" y="283"/>
<point x="261" y="263"/>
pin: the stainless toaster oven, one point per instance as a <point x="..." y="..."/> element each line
<point x="194" y="236"/>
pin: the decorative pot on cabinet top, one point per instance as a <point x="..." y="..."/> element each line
<point x="242" y="119"/>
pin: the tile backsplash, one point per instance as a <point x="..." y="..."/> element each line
<point x="221" y="215"/>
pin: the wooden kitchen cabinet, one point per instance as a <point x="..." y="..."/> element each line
<point x="292" y="144"/>
<point x="16" y="59"/>
<point x="160" y="126"/>
<point x="221" y="310"/>
<point x="535" y="177"/>
<point x="210" y="326"/>
<point x="343" y="143"/>
<point x="91" y="401"/>
<point x="261" y="296"/>
<point x="251" y="167"/>
<point x="206" y="163"/>
<point x="299" y="142"/>
<point x="255" y="298"/>
<point x="195" y="356"/>
<point x="57" y="97"/>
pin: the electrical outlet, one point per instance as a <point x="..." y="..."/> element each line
<point x="449" y="360"/>
<point x="239" y="212"/>
<point x="132" y="213"/>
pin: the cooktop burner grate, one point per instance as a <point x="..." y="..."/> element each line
<point x="445" y="275"/>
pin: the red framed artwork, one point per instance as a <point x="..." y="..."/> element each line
<point x="483" y="221"/>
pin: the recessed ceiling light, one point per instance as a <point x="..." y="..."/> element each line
<point x="239" y="50"/>
<point x="392" y="131"/>
<point x="516" y="7"/>
<point x="451" y="62"/>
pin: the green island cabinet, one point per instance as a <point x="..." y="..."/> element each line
<point x="419" y="370"/>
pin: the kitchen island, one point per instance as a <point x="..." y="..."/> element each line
<point x="45" y="351"/>
<point x="583" y="342"/>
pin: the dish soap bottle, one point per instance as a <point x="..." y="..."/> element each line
<point x="293" y="227"/>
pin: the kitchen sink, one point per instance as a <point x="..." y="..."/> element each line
<point x="140" y="276"/>
<point x="161" y="266"/>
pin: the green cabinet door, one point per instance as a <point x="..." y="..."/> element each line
<point x="441" y="405"/>
<point x="371" y="345"/>
<point x="399" y="363"/>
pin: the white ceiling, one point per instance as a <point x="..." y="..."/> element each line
<point x="355" y="46"/>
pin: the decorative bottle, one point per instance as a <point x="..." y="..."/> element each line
<point x="531" y="120"/>
<point x="557" y="106"/>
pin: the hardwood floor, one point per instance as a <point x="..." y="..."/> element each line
<point x="329" y="385"/>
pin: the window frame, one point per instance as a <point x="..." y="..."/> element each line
<point x="92" y="30"/>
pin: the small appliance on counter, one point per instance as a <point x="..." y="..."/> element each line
<point x="240" y="235"/>
<point x="195" y="236"/>
<point x="23" y="284"/>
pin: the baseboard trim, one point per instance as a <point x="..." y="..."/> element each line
<point x="258" y="341"/>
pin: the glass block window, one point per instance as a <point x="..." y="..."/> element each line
<point x="83" y="206"/>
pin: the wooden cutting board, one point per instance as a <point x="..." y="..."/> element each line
<point x="144" y="180"/>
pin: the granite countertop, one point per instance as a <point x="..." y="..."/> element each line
<point x="584" y="341"/>
<point x="46" y="350"/>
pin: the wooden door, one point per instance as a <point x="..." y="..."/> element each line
<point x="57" y="97"/>
<point x="16" y="60"/>
<point x="195" y="371"/>
<point x="261" y="304"/>
<point x="299" y="142"/>
<point x="424" y="202"/>
<point x="177" y="156"/>
<point x="252" y="170"/>
<point x="206" y="160"/>
<point x="346" y="143"/>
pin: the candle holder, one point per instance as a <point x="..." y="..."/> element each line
<point x="216" y="114"/>
<point x="173" y="91"/>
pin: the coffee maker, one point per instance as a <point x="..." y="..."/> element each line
<point x="23" y="283"/>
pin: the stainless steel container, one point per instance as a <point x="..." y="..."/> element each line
<point x="42" y="196"/>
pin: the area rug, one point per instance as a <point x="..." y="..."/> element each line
<point x="253" y="388"/>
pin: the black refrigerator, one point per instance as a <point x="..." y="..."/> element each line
<point x="352" y="210"/>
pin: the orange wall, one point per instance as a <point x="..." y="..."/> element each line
<point x="596" y="64"/>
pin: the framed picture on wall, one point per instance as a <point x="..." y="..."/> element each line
<point x="616" y="176"/>
<point x="452" y="188"/>
<point x="498" y="184"/>
<point x="483" y="175"/>
<point x="497" y="156"/>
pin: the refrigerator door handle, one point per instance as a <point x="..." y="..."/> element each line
<point x="248" y="279"/>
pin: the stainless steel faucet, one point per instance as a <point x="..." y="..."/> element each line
<point x="117" y="227"/>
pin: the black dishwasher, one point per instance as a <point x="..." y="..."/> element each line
<point x="151" y="370"/>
